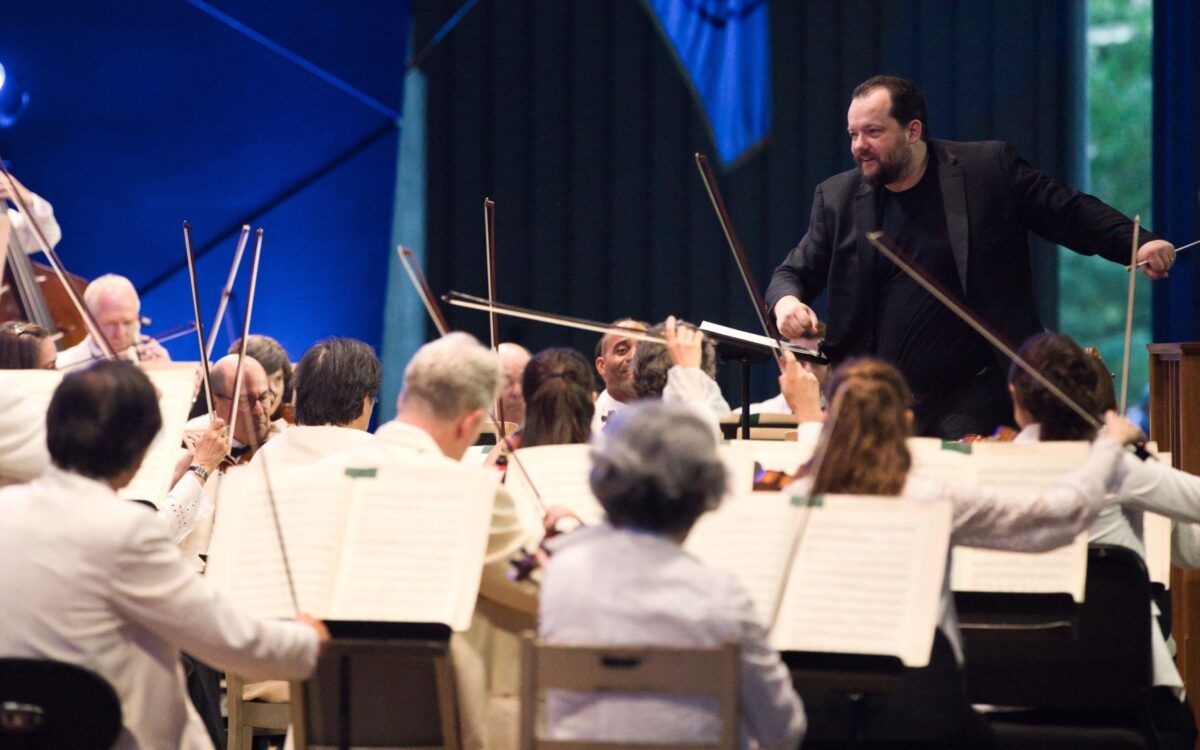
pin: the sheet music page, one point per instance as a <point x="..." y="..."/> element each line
<point x="779" y="455"/>
<point x="1060" y="571"/>
<point x="245" y="561"/>
<point x="175" y="382"/>
<point x="752" y="537"/>
<point x="867" y="578"/>
<point x="414" y="545"/>
<point x="37" y="386"/>
<point x="560" y="473"/>
<point x="1020" y="469"/>
<point x="934" y="459"/>
<point x="738" y="457"/>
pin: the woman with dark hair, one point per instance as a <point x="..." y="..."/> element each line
<point x="1144" y="486"/>
<point x="274" y="358"/>
<point x="628" y="582"/>
<point x="558" y="387"/>
<point x="26" y="346"/>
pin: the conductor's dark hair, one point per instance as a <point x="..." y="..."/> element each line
<point x="655" y="467"/>
<point x="1066" y="365"/>
<point x="274" y="358"/>
<point x="20" y="345"/>
<point x="557" y="384"/>
<point x="332" y="379"/>
<point x="908" y="103"/>
<point x="101" y="420"/>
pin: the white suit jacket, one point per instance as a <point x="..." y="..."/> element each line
<point x="23" y="453"/>
<point x="92" y="579"/>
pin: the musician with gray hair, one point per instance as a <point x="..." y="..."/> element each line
<point x="117" y="308"/>
<point x="628" y="582"/>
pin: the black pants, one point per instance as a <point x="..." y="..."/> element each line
<point x="977" y="407"/>
<point x="204" y="690"/>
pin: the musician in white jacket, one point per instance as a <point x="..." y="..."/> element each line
<point x="89" y="578"/>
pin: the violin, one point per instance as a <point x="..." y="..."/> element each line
<point x="1003" y="434"/>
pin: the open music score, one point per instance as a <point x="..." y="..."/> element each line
<point x="866" y="577"/>
<point x="174" y="381"/>
<point x="560" y="472"/>
<point x="388" y="544"/>
<point x="1010" y="469"/>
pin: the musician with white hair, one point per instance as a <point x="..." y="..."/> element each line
<point x="118" y="310"/>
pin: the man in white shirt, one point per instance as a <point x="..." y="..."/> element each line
<point x="117" y="308"/>
<point x="94" y="580"/>
<point x="614" y="352"/>
<point x="336" y="383"/>
<point x="449" y="386"/>
<point x="23" y="453"/>
<point x="22" y="235"/>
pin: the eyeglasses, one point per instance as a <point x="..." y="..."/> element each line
<point x="264" y="399"/>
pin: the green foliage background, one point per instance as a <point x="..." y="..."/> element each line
<point x="1093" y="292"/>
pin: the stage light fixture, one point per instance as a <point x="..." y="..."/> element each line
<point x="13" y="99"/>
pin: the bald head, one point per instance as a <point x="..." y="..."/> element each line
<point x="513" y="358"/>
<point x="253" y="418"/>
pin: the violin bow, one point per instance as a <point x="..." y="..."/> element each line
<point x="227" y="291"/>
<point x="883" y="245"/>
<point x="470" y="302"/>
<point x="408" y="260"/>
<point x="237" y="377"/>
<point x="739" y="255"/>
<point x="489" y="241"/>
<point x="1132" y="271"/>
<point x="60" y="270"/>
<point x="205" y="367"/>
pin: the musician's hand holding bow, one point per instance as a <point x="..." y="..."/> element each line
<point x="794" y="318"/>
<point x="685" y="344"/>
<point x="801" y="390"/>
<point x="150" y="350"/>
<point x="1159" y="256"/>
<point x="10" y="192"/>
<point x="1120" y="429"/>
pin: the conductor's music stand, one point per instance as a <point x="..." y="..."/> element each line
<point x="379" y="684"/>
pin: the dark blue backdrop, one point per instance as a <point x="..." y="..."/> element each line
<point x="147" y="112"/>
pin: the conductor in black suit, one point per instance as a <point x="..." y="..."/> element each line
<point x="962" y="212"/>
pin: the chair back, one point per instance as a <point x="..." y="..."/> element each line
<point x="1105" y="667"/>
<point x="712" y="672"/>
<point x="50" y="704"/>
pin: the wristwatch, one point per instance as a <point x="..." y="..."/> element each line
<point x="199" y="471"/>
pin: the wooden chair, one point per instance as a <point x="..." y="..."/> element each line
<point x="700" y="672"/>
<point x="246" y="716"/>
<point x="49" y="704"/>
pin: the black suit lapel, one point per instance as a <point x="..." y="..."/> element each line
<point x="866" y="219"/>
<point x="954" y="196"/>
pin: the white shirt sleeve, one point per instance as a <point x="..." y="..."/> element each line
<point x="692" y="386"/>
<point x="43" y="214"/>
<point x="1041" y="521"/>
<point x="1155" y="487"/>
<point x="185" y="506"/>
<point x="152" y="586"/>
<point x="770" y="708"/>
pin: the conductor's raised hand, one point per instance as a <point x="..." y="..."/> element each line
<point x="1159" y="256"/>
<point x="794" y="318"/>
<point x="685" y="345"/>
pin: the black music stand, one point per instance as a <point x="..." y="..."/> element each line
<point x="858" y="677"/>
<point x="379" y="684"/>
<point x="746" y="353"/>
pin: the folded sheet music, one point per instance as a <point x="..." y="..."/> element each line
<point x="850" y="575"/>
<point x="1010" y="469"/>
<point x="777" y="455"/>
<point x="175" y="382"/>
<point x="390" y="544"/>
